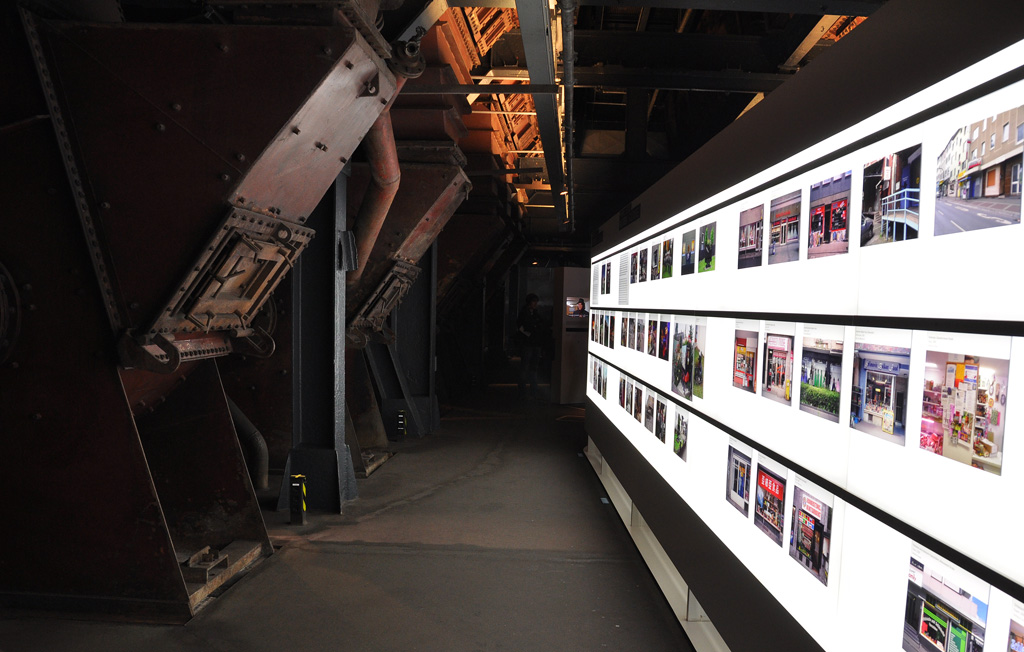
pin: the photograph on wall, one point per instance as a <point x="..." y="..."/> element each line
<point x="577" y="307"/>
<point x="649" y="412"/>
<point x="891" y="208"/>
<point x="978" y="173"/>
<point x="604" y="381"/>
<point x="629" y="397"/>
<point x="638" y="403"/>
<point x="643" y="265"/>
<point x="682" y="358"/>
<point x="688" y="253"/>
<point x="652" y="337"/>
<point x="739" y="474"/>
<point x="611" y="331"/>
<point x="664" y="330"/>
<point x="777" y="370"/>
<point x="881" y="370"/>
<point x="1016" y="642"/>
<point x="751" y="237"/>
<point x="622" y="331"/>
<point x="744" y="359"/>
<point x="622" y="392"/>
<point x="821" y="368"/>
<point x="810" y="535"/>
<point x="667" y="260"/>
<point x="770" y="499"/>
<point x="682" y="432"/>
<point x="706" y="248"/>
<point x="963" y="410"/>
<point x="947" y="607"/>
<point x="641" y="334"/>
<point x="631" y="332"/>
<point x="660" y="419"/>
<point x="784" y="245"/>
<point x="633" y="263"/>
<point x="656" y="261"/>
<point x="827" y="216"/>
<point x="700" y="330"/>
<point x="604" y="279"/>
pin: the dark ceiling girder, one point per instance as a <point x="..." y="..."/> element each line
<point x="481" y="89"/>
<point x="661" y="49"/>
<point x="535" y="27"/>
<point x="679" y="80"/>
<point x="811" y="7"/>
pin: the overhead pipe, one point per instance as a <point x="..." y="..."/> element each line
<point x="568" y="8"/>
<point x="407" y="62"/>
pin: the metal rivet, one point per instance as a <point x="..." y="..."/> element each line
<point x="328" y="51"/>
<point x="343" y="159"/>
<point x="37" y="417"/>
<point x="225" y="177"/>
<point x="348" y="64"/>
<point x="175" y="106"/>
<point x="296" y="130"/>
<point x="105" y="205"/>
<point x="160" y="126"/>
<point x="223" y="47"/>
<point x="240" y="157"/>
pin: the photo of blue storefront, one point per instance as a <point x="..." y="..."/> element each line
<point x="878" y="405"/>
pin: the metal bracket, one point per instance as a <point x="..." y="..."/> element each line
<point x="134" y="355"/>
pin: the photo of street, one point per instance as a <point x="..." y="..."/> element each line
<point x="978" y="174"/>
<point x="706" y="255"/>
<point x="688" y="253"/>
<point x="827" y="232"/>
<point x="785" y="229"/>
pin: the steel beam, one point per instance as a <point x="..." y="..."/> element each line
<point x="535" y="26"/>
<point x="812" y="7"/>
<point x="728" y="81"/>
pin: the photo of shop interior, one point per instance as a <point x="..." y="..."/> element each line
<point x="744" y="366"/>
<point x="963" y="412"/>
<point x="699" y="344"/>
<point x="638" y="403"/>
<point x="820" y="371"/>
<point x="769" y="501"/>
<point x="785" y="229"/>
<point x="777" y="373"/>
<point x="878" y="403"/>
<point x="660" y="420"/>
<point x="751" y="237"/>
<point x="737" y="481"/>
<point x="633" y="267"/>
<point x="667" y="260"/>
<point x="810" y="535"/>
<point x="643" y="265"/>
<point x="892" y="198"/>
<point x="652" y="337"/>
<point x="682" y="360"/>
<point x="663" y="339"/>
<point x="688" y="253"/>
<point x="656" y="262"/>
<point x="939" y="616"/>
<point x="649" y="413"/>
<point x="707" y="248"/>
<point x="1016" y="643"/>
<point x="827" y="233"/>
<point x="681" y="435"/>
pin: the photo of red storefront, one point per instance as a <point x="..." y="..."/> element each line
<point x="769" y="514"/>
<point x="830" y="201"/>
<point x="744" y="369"/>
<point x="811" y="534"/>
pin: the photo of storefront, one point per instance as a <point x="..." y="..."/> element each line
<point x="652" y="337"/>
<point x="699" y="345"/>
<point x="622" y="392"/>
<point x="785" y="229"/>
<point x="681" y="434"/>
<point x="638" y="403"/>
<point x="769" y="502"/>
<point x="649" y="413"/>
<point x="629" y="397"/>
<point x="820" y="372"/>
<point x="751" y="237"/>
<point x="631" y="334"/>
<point x="641" y="335"/>
<point x="667" y="260"/>
<point x="737" y="481"/>
<point x="688" y="253"/>
<point x="664" y="329"/>
<point x="744" y="366"/>
<point x="656" y="262"/>
<point x="829" y="204"/>
<point x="642" y="274"/>
<point x="979" y="174"/>
<point x="878" y="401"/>
<point x="1016" y="642"/>
<point x="633" y="266"/>
<point x="778" y="368"/>
<point x="963" y="414"/>
<point x="946" y="610"/>
<point x="682" y="360"/>
<point x="891" y="208"/>
<point x="810" y="537"/>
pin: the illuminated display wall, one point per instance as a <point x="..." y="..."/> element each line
<point x="839" y="342"/>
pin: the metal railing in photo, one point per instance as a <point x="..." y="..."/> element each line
<point x="902" y="207"/>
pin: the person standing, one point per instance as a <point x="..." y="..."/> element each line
<point x="529" y="327"/>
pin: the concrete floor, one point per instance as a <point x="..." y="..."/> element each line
<point x="489" y="535"/>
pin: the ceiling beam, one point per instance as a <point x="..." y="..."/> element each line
<point x="811" y="7"/>
<point x="726" y="81"/>
<point x="535" y="27"/>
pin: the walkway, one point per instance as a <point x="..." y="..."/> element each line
<point x="490" y="535"/>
